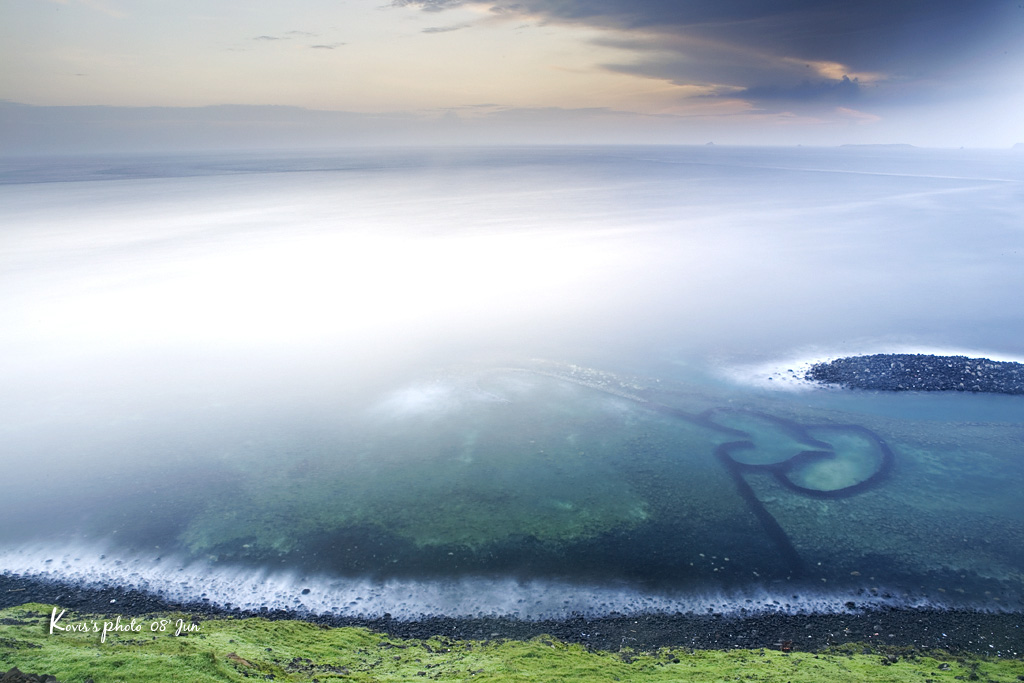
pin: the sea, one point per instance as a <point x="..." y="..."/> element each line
<point x="525" y="382"/>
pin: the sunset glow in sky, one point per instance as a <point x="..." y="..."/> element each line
<point x="938" y="72"/>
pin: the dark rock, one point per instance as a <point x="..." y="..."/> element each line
<point x="949" y="629"/>
<point x="921" y="372"/>
<point x="16" y="676"/>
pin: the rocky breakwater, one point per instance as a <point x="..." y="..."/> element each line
<point x="921" y="372"/>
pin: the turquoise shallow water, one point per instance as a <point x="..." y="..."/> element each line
<point x="519" y="382"/>
<point x="571" y="476"/>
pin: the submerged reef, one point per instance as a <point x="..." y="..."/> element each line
<point x="921" y="372"/>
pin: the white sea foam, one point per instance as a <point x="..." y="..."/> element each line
<point x="251" y="589"/>
<point x="419" y="400"/>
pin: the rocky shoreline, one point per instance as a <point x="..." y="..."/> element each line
<point x="920" y="372"/>
<point x="989" y="633"/>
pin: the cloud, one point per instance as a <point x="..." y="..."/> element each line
<point x="98" y="6"/>
<point x="444" y="29"/>
<point x="429" y="5"/>
<point x="866" y="33"/>
<point x="288" y="35"/>
<point x="798" y="50"/>
<point x="857" y="116"/>
<point x="842" y="90"/>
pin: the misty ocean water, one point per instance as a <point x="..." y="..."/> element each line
<point x="525" y="381"/>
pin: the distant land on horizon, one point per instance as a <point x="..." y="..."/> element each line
<point x="884" y="145"/>
<point x="27" y="129"/>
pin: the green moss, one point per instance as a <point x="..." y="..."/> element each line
<point x="227" y="649"/>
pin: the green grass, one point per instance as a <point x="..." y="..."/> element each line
<point x="225" y="649"/>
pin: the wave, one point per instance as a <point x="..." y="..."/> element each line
<point x="250" y="589"/>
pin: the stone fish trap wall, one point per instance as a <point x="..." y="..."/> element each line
<point x="790" y="470"/>
<point x="864" y="468"/>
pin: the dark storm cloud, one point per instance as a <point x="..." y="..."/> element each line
<point x="843" y="91"/>
<point x="868" y="33"/>
<point x="780" y="49"/>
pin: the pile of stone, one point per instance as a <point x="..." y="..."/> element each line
<point x="921" y="372"/>
<point x="14" y="675"/>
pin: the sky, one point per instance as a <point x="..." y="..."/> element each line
<point x="927" y="72"/>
